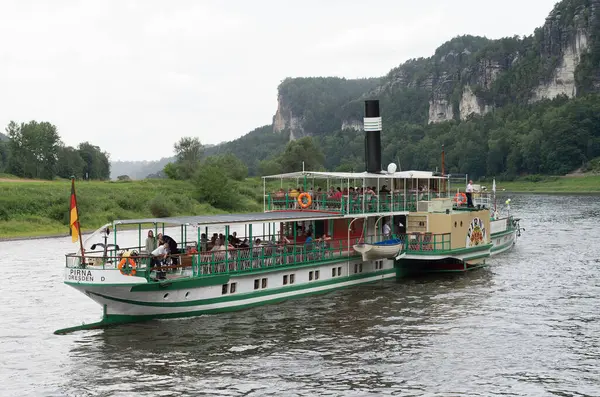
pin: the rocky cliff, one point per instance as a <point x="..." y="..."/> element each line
<point x="466" y="76"/>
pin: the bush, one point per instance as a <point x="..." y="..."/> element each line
<point x="161" y="207"/>
<point x="214" y="188"/>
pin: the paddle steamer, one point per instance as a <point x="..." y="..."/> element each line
<point x="376" y="225"/>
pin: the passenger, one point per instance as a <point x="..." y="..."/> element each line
<point x="158" y="256"/>
<point x="308" y="238"/>
<point x="151" y="243"/>
<point x="203" y="243"/>
<point x="387" y="231"/>
<point x="172" y="247"/>
<point x="469" y="194"/>
<point x="172" y="244"/>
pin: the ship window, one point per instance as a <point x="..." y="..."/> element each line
<point x="356" y="268"/>
<point x="333" y="272"/>
<point x="339" y="271"/>
<point x="285" y="279"/>
<point x="292" y="276"/>
<point x="316" y="274"/>
<point x="460" y="223"/>
<point x="360" y="268"/>
<point x="256" y="283"/>
<point x="187" y="294"/>
<point x="224" y="289"/>
<point x="232" y="288"/>
<point x="264" y="283"/>
<point x="166" y="295"/>
<point x="455" y="223"/>
<point x="310" y="276"/>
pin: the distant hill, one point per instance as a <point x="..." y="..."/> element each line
<point x="144" y="169"/>
<point x="3" y="137"/>
<point x="138" y="169"/>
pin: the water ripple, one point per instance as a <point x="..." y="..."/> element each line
<point x="527" y="325"/>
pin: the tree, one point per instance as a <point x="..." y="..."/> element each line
<point x="69" y="163"/>
<point x="97" y="164"/>
<point x="299" y="152"/>
<point x="188" y="152"/>
<point x="189" y="149"/>
<point x="214" y="187"/>
<point x="34" y="147"/>
<point x="4" y="156"/>
<point x="230" y="164"/>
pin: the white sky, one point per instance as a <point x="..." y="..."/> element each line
<point x="135" y="76"/>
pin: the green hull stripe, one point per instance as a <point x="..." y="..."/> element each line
<point x="502" y="246"/>
<point x="447" y="253"/>
<point x="470" y="258"/>
<point x="468" y="269"/>
<point x="249" y="295"/>
<point x="502" y="234"/>
<point x="171" y="285"/>
<point x="115" y="319"/>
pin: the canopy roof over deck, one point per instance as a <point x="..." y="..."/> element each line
<point x="358" y="175"/>
<point x="228" y="219"/>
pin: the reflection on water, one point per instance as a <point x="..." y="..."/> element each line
<point x="527" y="325"/>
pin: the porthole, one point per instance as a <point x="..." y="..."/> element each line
<point x="165" y="296"/>
<point x="455" y="224"/>
<point x="187" y="294"/>
<point x="460" y="223"/>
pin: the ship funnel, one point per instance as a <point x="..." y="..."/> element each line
<point x="372" y="127"/>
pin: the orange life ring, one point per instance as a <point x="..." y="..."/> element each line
<point x="460" y="198"/>
<point x="131" y="263"/>
<point x="308" y="200"/>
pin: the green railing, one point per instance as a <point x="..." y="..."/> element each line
<point x="246" y="260"/>
<point x="427" y="242"/>
<point x="354" y="204"/>
<point x="269" y="256"/>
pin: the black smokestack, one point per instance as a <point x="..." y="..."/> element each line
<point x="372" y="126"/>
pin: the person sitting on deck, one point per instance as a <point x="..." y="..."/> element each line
<point x="234" y="239"/>
<point x="308" y="238"/>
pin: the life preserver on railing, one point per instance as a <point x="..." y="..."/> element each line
<point x="132" y="265"/>
<point x="308" y="200"/>
<point x="460" y="198"/>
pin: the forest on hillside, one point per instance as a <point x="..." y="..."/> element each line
<point x="550" y="137"/>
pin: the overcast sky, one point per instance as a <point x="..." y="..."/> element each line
<point x="134" y="76"/>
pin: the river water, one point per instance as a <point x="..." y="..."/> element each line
<point x="528" y="325"/>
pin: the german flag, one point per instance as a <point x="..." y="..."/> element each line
<point x="74" y="216"/>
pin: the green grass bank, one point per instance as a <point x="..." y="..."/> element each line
<point x="41" y="208"/>
<point x="551" y="184"/>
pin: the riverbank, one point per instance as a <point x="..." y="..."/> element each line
<point x="584" y="184"/>
<point x="34" y="209"/>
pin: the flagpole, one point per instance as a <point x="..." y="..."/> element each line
<point x="494" y="190"/>
<point x="78" y="224"/>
